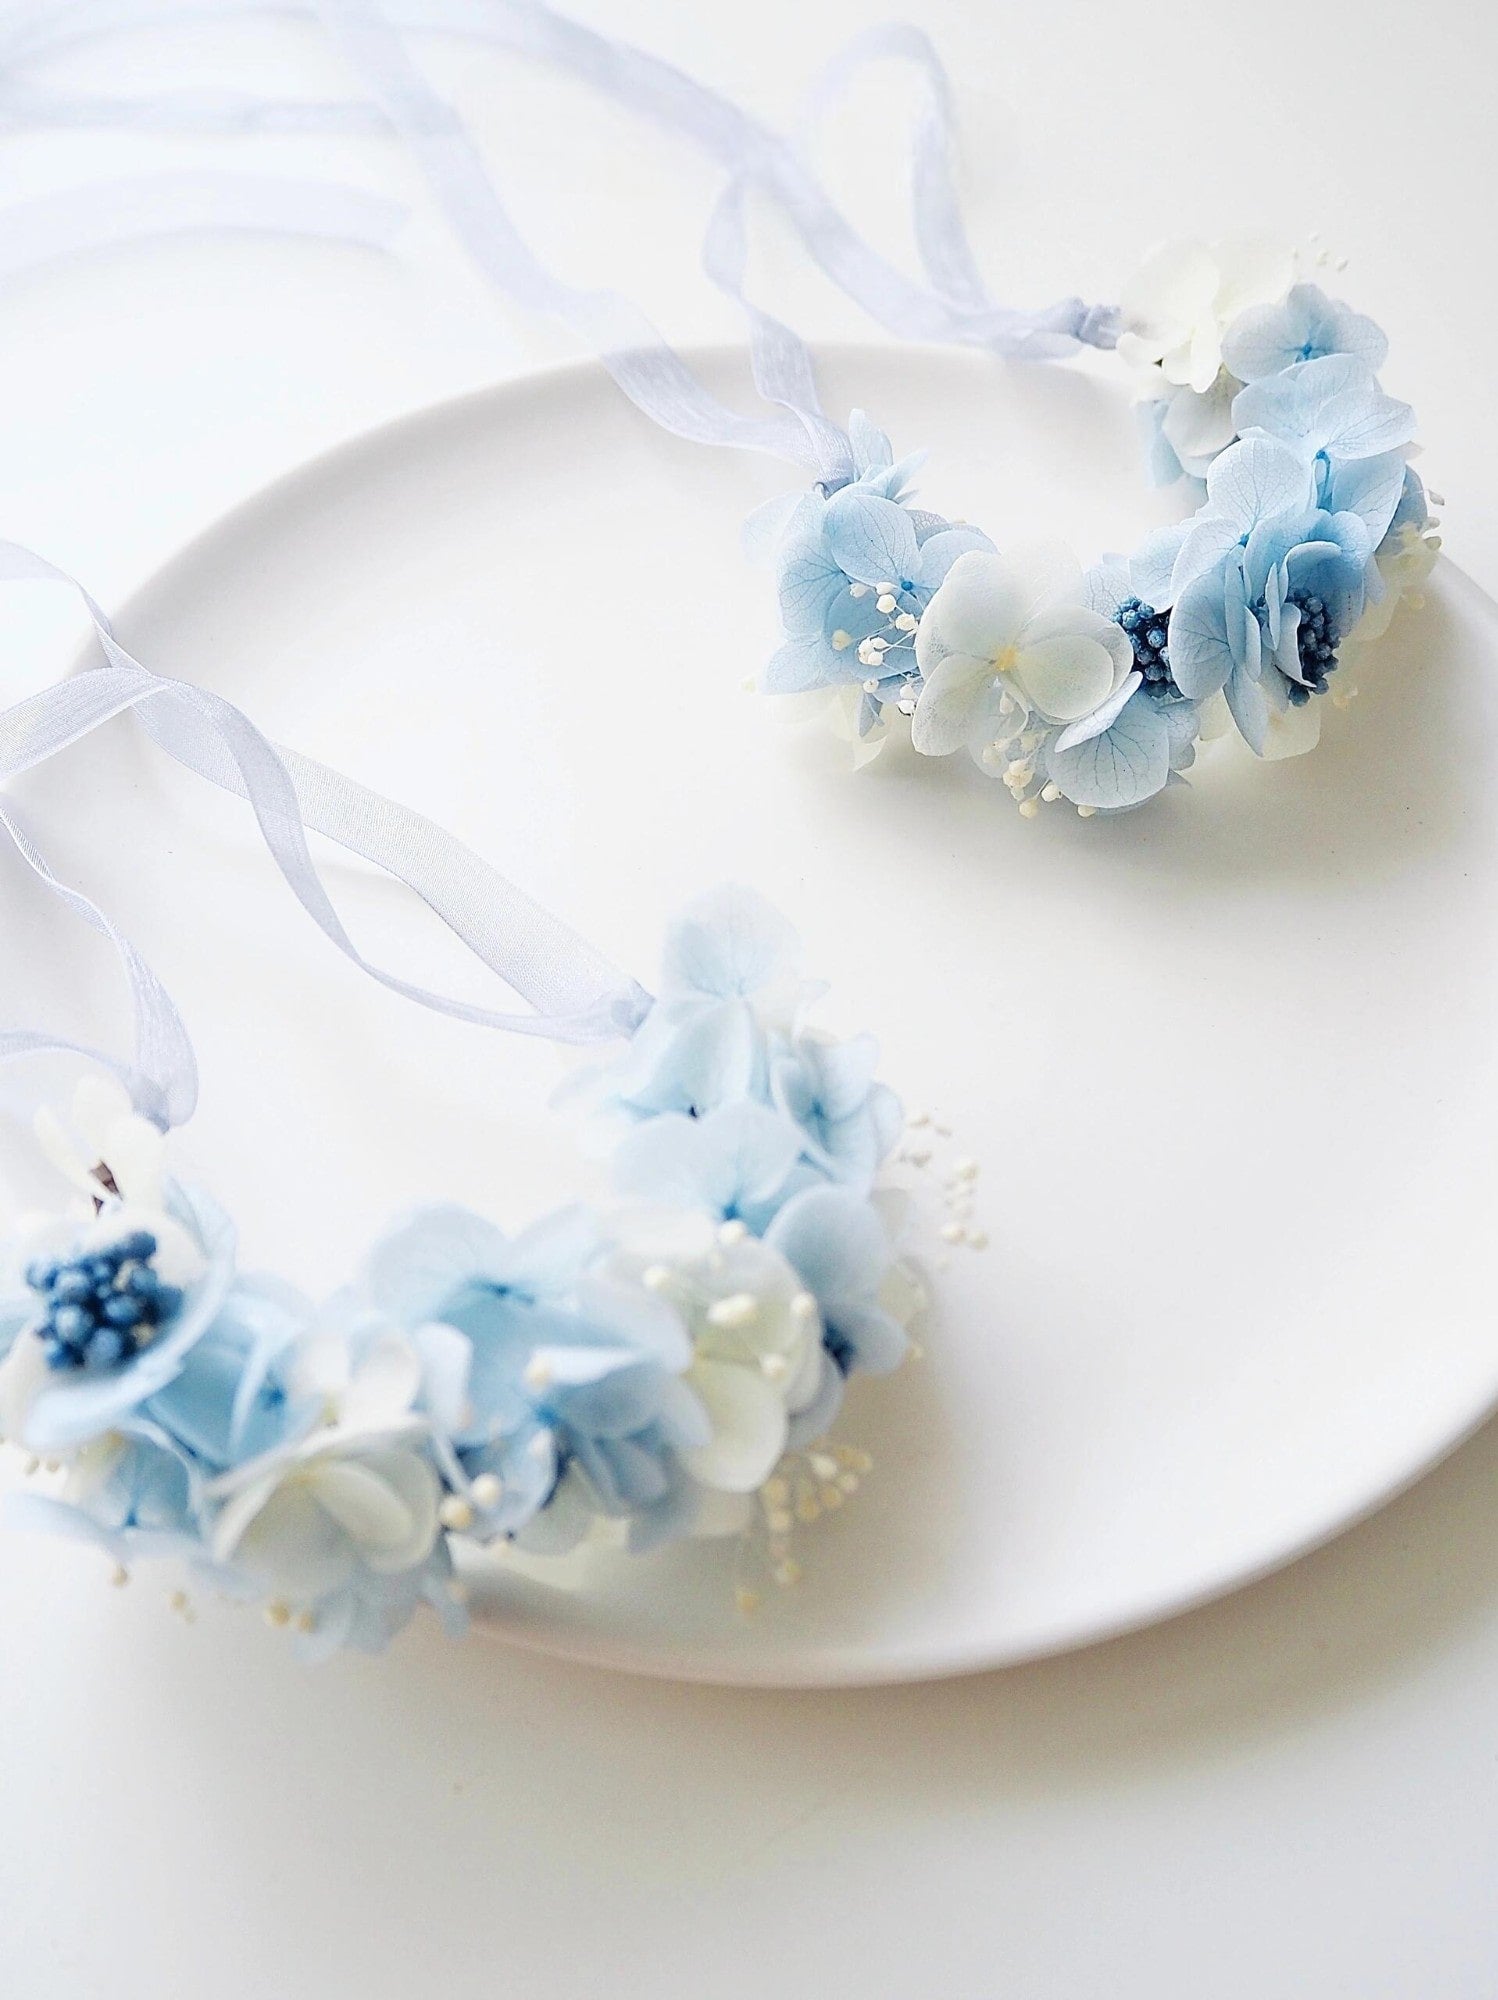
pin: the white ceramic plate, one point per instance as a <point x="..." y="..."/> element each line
<point x="1229" y="1062"/>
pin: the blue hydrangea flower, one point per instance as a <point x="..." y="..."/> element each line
<point x="340" y="1530"/>
<point x="730" y="969"/>
<point x="855" y="568"/>
<point x="1262" y="589"/>
<point x="1305" y="325"/>
<point x="725" y="1031"/>
<point x="741" y="1163"/>
<point x="849" y="1121"/>
<point x="1328" y="412"/>
<point x="237" y="1394"/>
<point x="371" y="1607"/>
<point x="134" y="1494"/>
<point x="837" y="1246"/>
<point x="564" y="1372"/>
<point x="1145" y="735"/>
<point x="77" y="1365"/>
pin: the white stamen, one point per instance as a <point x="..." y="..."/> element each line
<point x="738" y="1309"/>
<point x="455" y="1513"/>
<point x="487" y="1490"/>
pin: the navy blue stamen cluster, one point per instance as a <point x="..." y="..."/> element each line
<point x="1148" y="632"/>
<point x="102" y="1308"/>
<point x="1317" y="644"/>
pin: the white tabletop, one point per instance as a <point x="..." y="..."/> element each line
<point x="1290" y="1792"/>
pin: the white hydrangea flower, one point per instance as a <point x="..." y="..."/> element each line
<point x="358" y="1494"/>
<point x="1012" y="629"/>
<point x="1182" y="299"/>
<point x="756" y="1333"/>
<point x="106" y="1149"/>
<point x="1404" y="564"/>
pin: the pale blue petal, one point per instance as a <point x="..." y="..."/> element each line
<point x="1201" y="657"/>
<point x="735" y="1159"/>
<point x="1108" y="585"/>
<point x="938" y="552"/>
<point x="1120" y="766"/>
<point x="803" y="665"/>
<point x="1101" y="718"/>
<point x="868" y="538"/>
<point x="871" y="448"/>
<point x="1152" y="566"/>
<point x="809" y="582"/>
<point x="728" y="944"/>
<point x="1255" y="478"/>
<point x="1249" y="709"/>
<point x="1372" y="488"/>
<point x="416" y="1266"/>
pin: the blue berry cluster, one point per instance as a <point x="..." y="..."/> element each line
<point x="103" y="1307"/>
<point x="1317" y="642"/>
<point x="1148" y="633"/>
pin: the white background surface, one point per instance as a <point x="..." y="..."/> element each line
<point x="1292" y="1792"/>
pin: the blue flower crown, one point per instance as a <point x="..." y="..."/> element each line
<point x="1098" y="687"/>
<point x="666" y="1367"/>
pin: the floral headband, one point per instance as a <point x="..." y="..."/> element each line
<point x="667" y="1365"/>
<point x="1100" y="687"/>
<point x="1096" y="686"/>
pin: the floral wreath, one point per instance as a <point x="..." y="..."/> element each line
<point x="1098" y="687"/>
<point x="666" y="1366"/>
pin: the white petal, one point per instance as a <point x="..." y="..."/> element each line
<point x="978" y="610"/>
<point x="385" y="1504"/>
<point x="1294" y="732"/>
<point x="99" y="1102"/>
<point x="135" y="1153"/>
<point x="950" y="703"/>
<point x="58" y="1145"/>
<point x="1065" y="677"/>
<point x="1254" y="271"/>
<point x="385" y="1383"/>
<point x="1203" y="358"/>
<point x="1045" y="574"/>
<point x="23" y="1375"/>
<point x="1175" y="283"/>
<point x="747" y="1413"/>
<point x="1198" y="426"/>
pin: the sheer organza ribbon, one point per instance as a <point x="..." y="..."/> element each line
<point x="953" y="305"/>
<point x="575" y="995"/>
